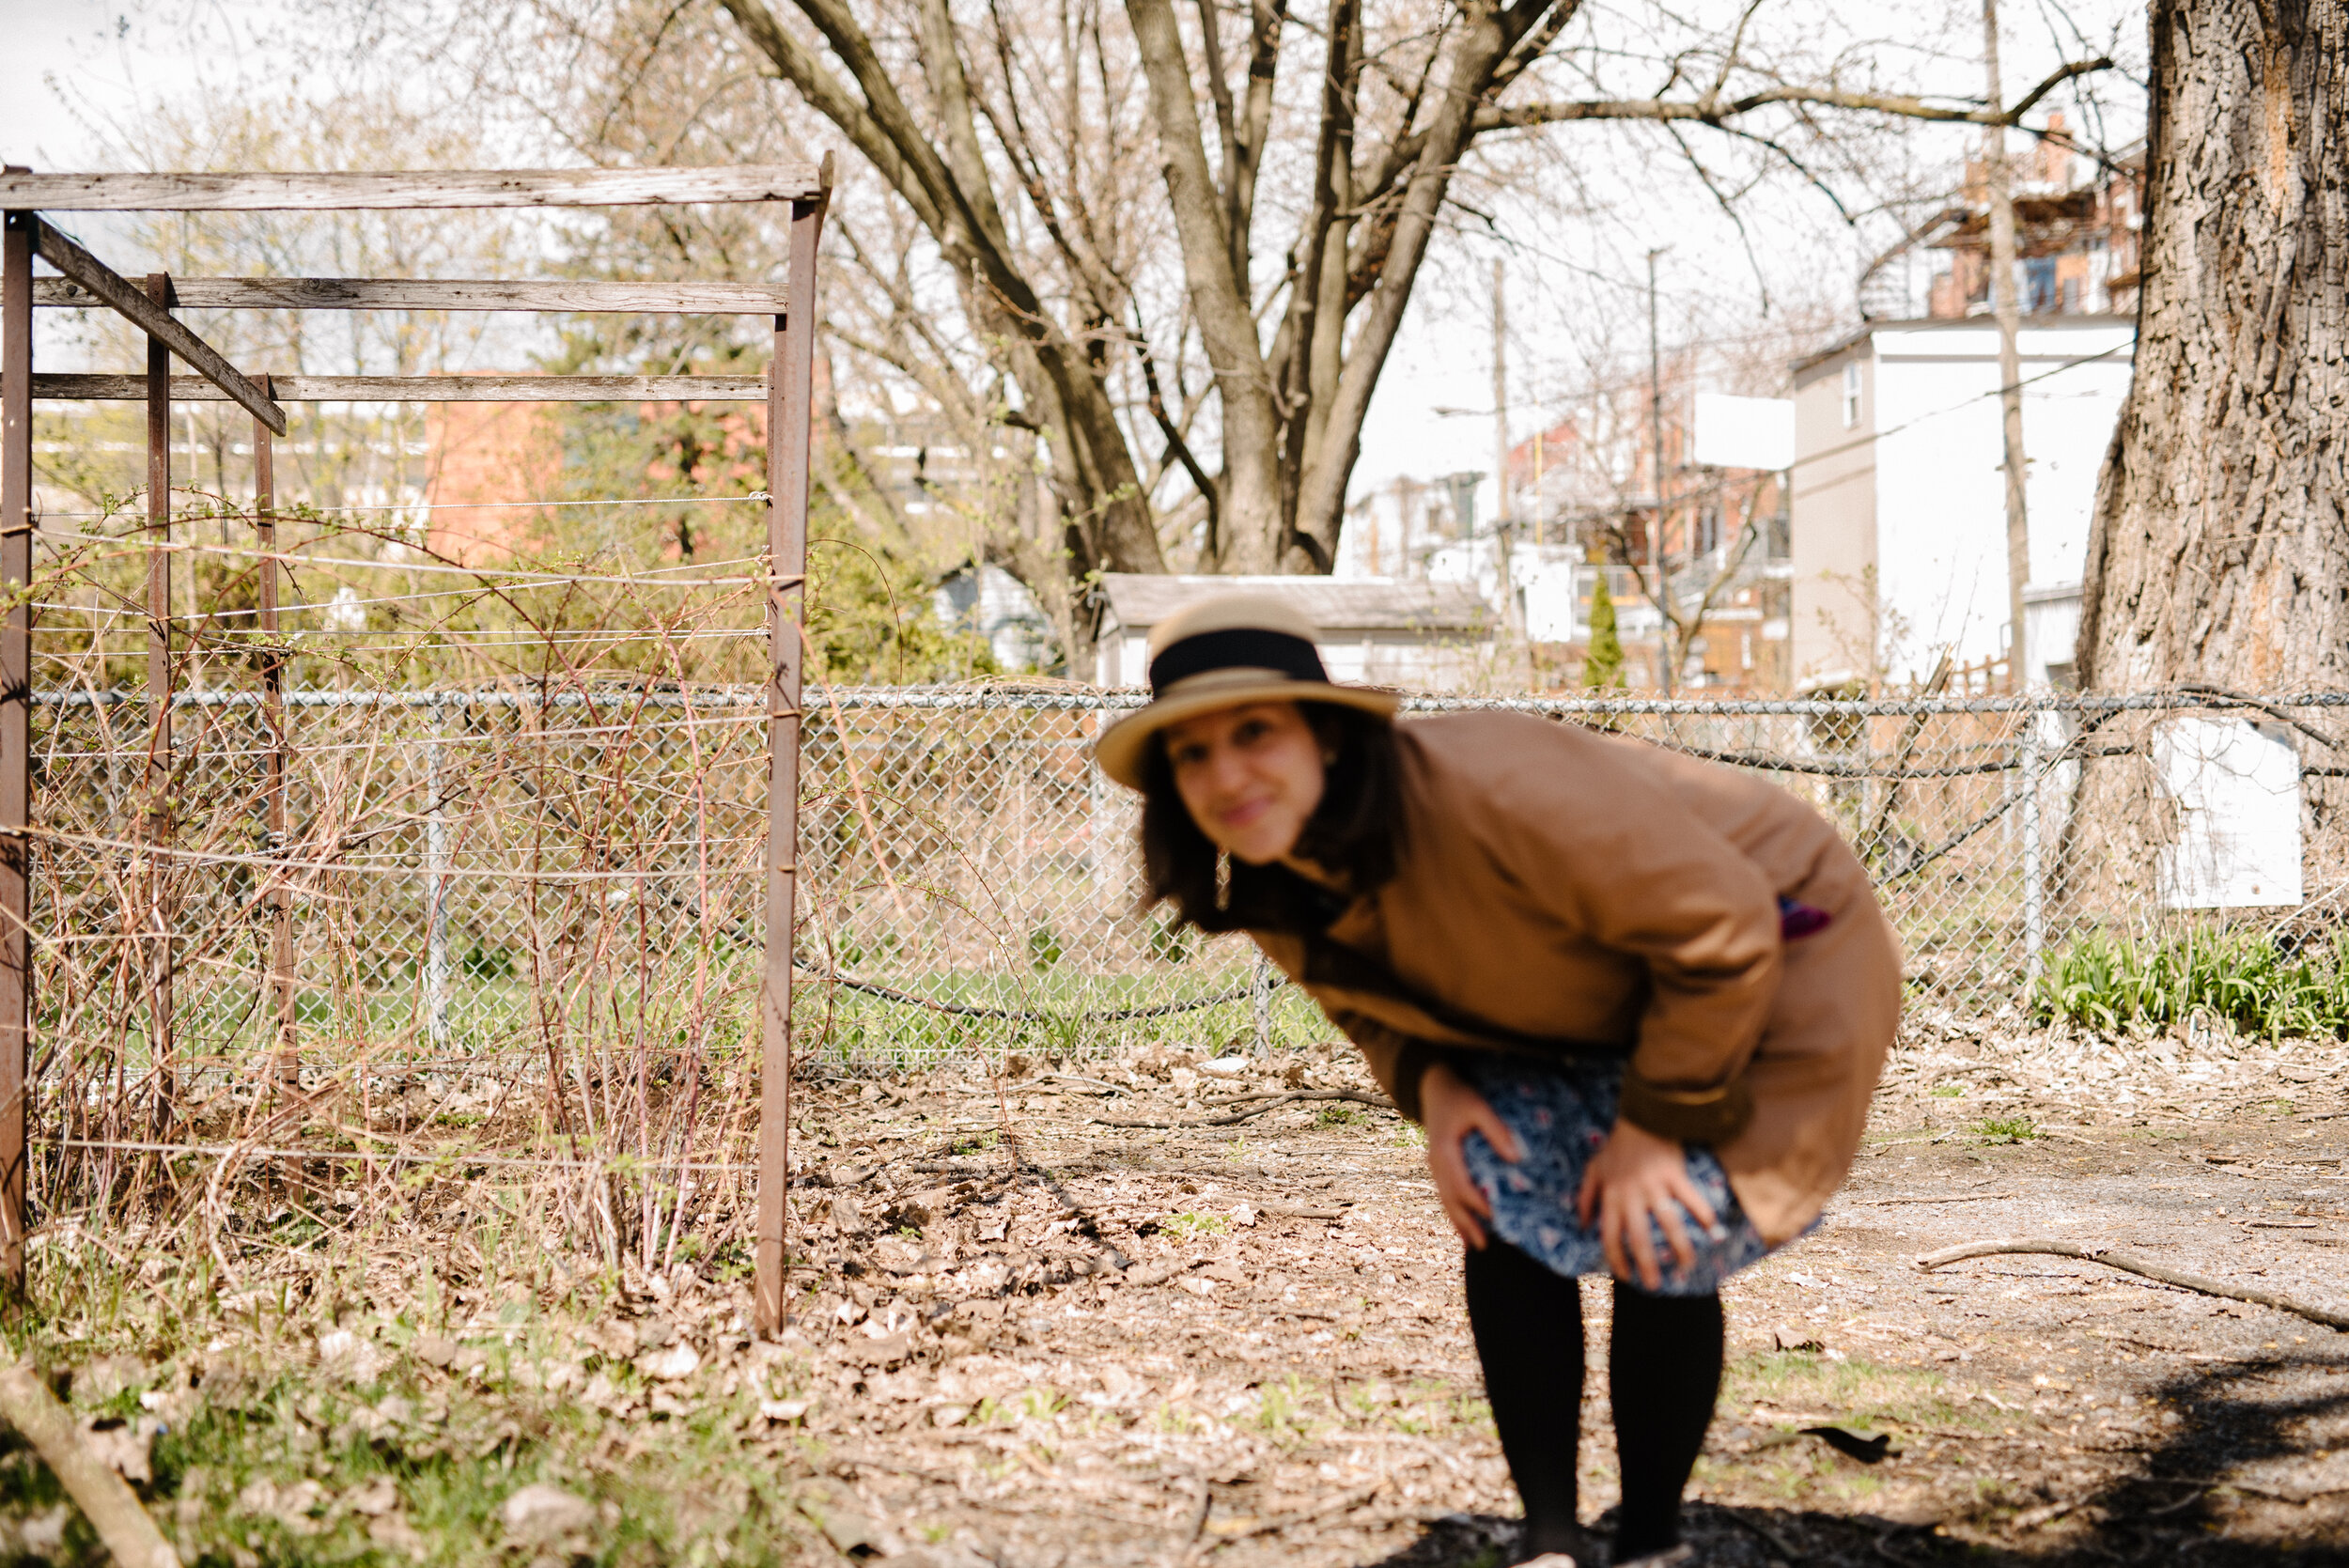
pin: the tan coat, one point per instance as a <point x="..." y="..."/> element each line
<point x="1573" y="886"/>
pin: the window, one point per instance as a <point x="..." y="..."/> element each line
<point x="2039" y="285"/>
<point x="1851" y="395"/>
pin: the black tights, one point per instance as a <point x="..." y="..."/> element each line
<point x="1663" y="1371"/>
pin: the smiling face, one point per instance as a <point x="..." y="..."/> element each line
<point x="1249" y="776"/>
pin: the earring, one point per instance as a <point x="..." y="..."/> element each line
<point x="1329" y="759"/>
<point x="1223" y="878"/>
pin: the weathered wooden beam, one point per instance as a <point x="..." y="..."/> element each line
<point x="790" y="413"/>
<point x="447" y="188"/>
<point x="425" y="389"/>
<point x="648" y="298"/>
<point x="16" y="755"/>
<point x="116" y="291"/>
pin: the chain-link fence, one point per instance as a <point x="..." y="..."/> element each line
<point x="976" y="882"/>
<point x="575" y="875"/>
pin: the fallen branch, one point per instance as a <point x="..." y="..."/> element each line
<point x="1228" y="1100"/>
<point x="1338" y="1504"/>
<point x="1770" y="1538"/>
<point x="104" y="1497"/>
<point x="1272" y="1102"/>
<point x="1935" y="1198"/>
<point x="2128" y="1264"/>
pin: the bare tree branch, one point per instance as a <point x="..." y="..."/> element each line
<point x="1711" y="110"/>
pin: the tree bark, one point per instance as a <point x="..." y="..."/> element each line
<point x="1477" y="54"/>
<point x="2218" y="553"/>
<point x="1250" y="486"/>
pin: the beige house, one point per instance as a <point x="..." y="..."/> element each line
<point x="1418" y="635"/>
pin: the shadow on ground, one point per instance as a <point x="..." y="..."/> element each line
<point x="2256" y="1472"/>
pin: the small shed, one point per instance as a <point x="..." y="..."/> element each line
<point x="1379" y="632"/>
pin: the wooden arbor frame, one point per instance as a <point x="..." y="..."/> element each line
<point x="786" y="389"/>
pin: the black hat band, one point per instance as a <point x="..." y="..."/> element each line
<point x="1240" y="647"/>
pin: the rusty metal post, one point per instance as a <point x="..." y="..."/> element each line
<point x="158" y="782"/>
<point x="157" y="890"/>
<point x="16" y="730"/>
<point x="281" y="966"/>
<point x="790" y="400"/>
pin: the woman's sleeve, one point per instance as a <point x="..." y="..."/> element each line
<point x="1632" y="868"/>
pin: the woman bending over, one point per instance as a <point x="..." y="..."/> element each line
<point x="1639" y="1003"/>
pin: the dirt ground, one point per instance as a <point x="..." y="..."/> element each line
<point x="1245" y="1343"/>
<point x="1127" y="1309"/>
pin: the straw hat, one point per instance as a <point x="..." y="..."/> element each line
<point x="1222" y="652"/>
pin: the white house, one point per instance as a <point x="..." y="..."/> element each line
<point x="1419" y="635"/>
<point x="987" y="600"/>
<point x="1899" y="505"/>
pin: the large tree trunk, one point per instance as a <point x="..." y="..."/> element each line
<point x="2219" y="551"/>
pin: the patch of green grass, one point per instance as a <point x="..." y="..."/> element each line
<point x="1861" y="1393"/>
<point x="1029" y="1405"/>
<point x="1337" y="1114"/>
<point x="873" y="1032"/>
<point x="1184" y="1225"/>
<point x="263" y="1453"/>
<point x="1281" y="1410"/>
<point x="2006" y="1129"/>
<point x="1949" y="1091"/>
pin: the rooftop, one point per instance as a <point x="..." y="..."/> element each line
<point x="2041" y="322"/>
<point x="1140" y="601"/>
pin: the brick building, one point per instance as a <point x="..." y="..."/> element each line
<point x="2077" y="226"/>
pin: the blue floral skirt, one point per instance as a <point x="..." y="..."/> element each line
<point x="1561" y="1111"/>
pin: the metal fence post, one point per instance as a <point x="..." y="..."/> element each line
<point x="280" y="758"/>
<point x="158" y="685"/>
<point x="2034" y="907"/>
<point x="16" y="758"/>
<point x="1101" y="859"/>
<point x="436" y="975"/>
<point x="790" y="402"/>
<point x="1260" y="995"/>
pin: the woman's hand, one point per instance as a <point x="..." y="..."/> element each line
<point x="1636" y="1176"/>
<point x="1451" y="1110"/>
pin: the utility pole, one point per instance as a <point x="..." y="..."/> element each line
<point x="1504" y="522"/>
<point x="1662" y="589"/>
<point x="2008" y="310"/>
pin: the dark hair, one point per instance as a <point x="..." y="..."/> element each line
<point x="1357" y="831"/>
